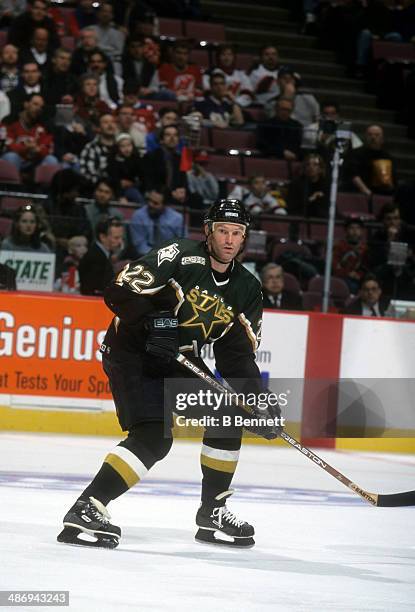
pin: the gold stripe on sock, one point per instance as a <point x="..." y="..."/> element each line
<point x="123" y="469"/>
<point x="217" y="464"/>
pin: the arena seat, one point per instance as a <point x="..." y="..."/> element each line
<point x="272" y="169"/>
<point x="225" y="139"/>
<point x="171" y="27"/>
<point x="201" y="30"/>
<point x="8" y="172"/>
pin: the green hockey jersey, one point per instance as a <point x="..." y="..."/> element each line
<point x="178" y="276"/>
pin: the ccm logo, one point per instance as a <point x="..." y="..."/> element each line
<point x="165" y="323"/>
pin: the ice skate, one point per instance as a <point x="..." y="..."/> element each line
<point x="87" y="524"/>
<point x="218" y="525"/>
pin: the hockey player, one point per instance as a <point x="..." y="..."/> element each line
<point x="206" y="296"/>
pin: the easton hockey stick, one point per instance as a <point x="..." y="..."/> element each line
<point x="406" y="498"/>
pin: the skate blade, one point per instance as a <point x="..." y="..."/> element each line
<point x="206" y="536"/>
<point x="77" y="537"/>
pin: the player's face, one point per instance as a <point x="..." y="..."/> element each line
<point x="226" y="240"/>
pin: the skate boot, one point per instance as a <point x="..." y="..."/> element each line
<point x="87" y="524"/>
<point x="217" y="525"/>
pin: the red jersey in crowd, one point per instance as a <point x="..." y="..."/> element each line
<point x="186" y="82"/>
<point x="18" y="136"/>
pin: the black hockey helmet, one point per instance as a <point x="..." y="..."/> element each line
<point x="227" y="211"/>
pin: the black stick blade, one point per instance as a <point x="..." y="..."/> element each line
<point x="397" y="499"/>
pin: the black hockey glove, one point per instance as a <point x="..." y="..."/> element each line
<point x="163" y="335"/>
<point x="265" y="421"/>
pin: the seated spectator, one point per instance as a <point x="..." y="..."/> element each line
<point x="306" y="108"/>
<point x="217" y="109"/>
<point x="155" y="222"/>
<point x="135" y="66"/>
<point x="264" y="77"/>
<point x="9" y="70"/>
<point x="320" y="135"/>
<point x="70" y="135"/>
<point x="88" y="43"/>
<point x="127" y="124"/>
<point x="110" y="39"/>
<point x="28" y="141"/>
<point x="162" y="166"/>
<point x="94" y="156"/>
<point x="110" y="85"/>
<point x="281" y="136"/>
<point x="168" y="116"/>
<point x="103" y="203"/>
<point x="370" y="302"/>
<point x="38" y="51"/>
<point x="31" y="83"/>
<point x="202" y="182"/>
<point x="95" y="268"/>
<point x="60" y="82"/>
<point x="25" y="233"/>
<point x="69" y="281"/>
<point x="238" y="84"/>
<point x="308" y="195"/>
<point x="274" y="294"/>
<point x="65" y="23"/>
<point x="9" y="10"/>
<point x="23" y="27"/>
<point x="257" y="198"/>
<point x="88" y="105"/>
<point x="370" y="168"/>
<point x="4" y="105"/>
<point x="350" y="255"/>
<point x="144" y="112"/>
<point x="178" y="79"/>
<point x="86" y="14"/>
<point x="125" y="167"/>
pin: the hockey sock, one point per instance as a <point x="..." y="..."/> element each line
<point x="128" y="462"/>
<point x="218" y="459"/>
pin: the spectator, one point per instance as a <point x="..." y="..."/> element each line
<point x="370" y="168"/>
<point x="264" y="77"/>
<point x="94" y="156"/>
<point x="217" y="109"/>
<point x="24" y="25"/>
<point x="25" y="232"/>
<point x="60" y="82"/>
<point x="70" y="136"/>
<point x="370" y="302"/>
<point x="202" y="182"/>
<point x="69" y="281"/>
<point x="238" y="84"/>
<point x="168" y="116"/>
<point x="88" y="43"/>
<point x="95" y="268"/>
<point x="281" y="136"/>
<point x="9" y="10"/>
<point x="4" y="105"/>
<point x="155" y="222"/>
<point x="182" y="81"/>
<point x="102" y="205"/>
<point x="308" y="195"/>
<point x="350" y="255"/>
<point x="144" y="112"/>
<point x="9" y="72"/>
<point x="110" y="85"/>
<point x="110" y="39"/>
<point x="306" y="108"/>
<point x="135" y="66"/>
<point x="31" y="83"/>
<point x="28" y="141"/>
<point x="125" y="167"/>
<point x="38" y="51"/>
<point x="88" y="105"/>
<point x="162" y="166"/>
<point x="321" y="134"/>
<point x="257" y="198"/>
<point x="274" y="294"/>
<point x="127" y="124"/>
<point x="86" y="14"/>
<point x="65" y="23"/>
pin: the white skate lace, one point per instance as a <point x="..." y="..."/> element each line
<point x="99" y="511"/>
<point x="223" y="514"/>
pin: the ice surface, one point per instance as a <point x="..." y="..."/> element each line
<point x="319" y="546"/>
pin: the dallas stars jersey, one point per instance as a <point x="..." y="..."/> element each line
<point x="178" y="276"/>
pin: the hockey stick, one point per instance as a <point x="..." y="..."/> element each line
<point x="406" y="498"/>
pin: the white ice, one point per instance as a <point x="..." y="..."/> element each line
<point x="319" y="546"/>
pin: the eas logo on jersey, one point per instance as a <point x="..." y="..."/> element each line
<point x="167" y="253"/>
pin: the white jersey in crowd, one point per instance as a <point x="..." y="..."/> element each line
<point x="264" y="84"/>
<point x="257" y="205"/>
<point x="237" y="82"/>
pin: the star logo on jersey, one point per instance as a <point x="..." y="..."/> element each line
<point x="208" y="312"/>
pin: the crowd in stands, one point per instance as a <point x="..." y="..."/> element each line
<point x="137" y="137"/>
